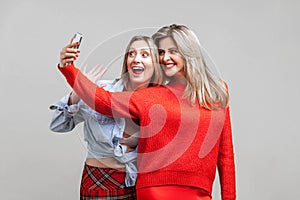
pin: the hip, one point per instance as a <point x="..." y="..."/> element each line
<point x="172" y="192"/>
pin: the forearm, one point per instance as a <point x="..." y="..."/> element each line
<point x="104" y="102"/>
<point x="74" y="98"/>
<point x="226" y="164"/>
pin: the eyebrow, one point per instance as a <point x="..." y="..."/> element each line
<point x="147" y="49"/>
<point x="168" y="48"/>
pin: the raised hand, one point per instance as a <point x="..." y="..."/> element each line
<point x="95" y="73"/>
<point x="68" y="54"/>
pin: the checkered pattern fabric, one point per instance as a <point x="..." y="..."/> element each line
<point x="104" y="183"/>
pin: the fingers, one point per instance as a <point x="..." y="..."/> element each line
<point x="65" y="55"/>
<point x="72" y="45"/>
<point x="68" y="54"/>
<point x="102" y="85"/>
<point x="95" y="73"/>
<point x="70" y="49"/>
<point x="94" y="69"/>
<point x="65" y="61"/>
<point x="84" y="70"/>
<point x="99" y="69"/>
<point x="101" y="72"/>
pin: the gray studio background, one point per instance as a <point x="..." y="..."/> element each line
<point x="255" y="44"/>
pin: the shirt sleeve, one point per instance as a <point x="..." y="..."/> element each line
<point x="116" y="104"/>
<point x="65" y="116"/>
<point x="226" y="166"/>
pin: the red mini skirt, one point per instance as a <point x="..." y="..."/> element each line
<point x="172" y="192"/>
<point x="104" y="183"/>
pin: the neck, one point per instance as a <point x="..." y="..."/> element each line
<point x="181" y="80"/>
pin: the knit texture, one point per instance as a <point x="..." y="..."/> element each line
<point x="179" y="144"/>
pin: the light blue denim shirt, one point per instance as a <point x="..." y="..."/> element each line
<point x="102" y="133"/>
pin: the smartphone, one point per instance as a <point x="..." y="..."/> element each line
<point x="77" y="38"/>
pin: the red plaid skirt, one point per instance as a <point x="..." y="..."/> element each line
<point x="104" y="183"/>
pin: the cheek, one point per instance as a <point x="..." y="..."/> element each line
<point x="128" y="64"/>
<point x="150" y="70"/>
<point x="182" y="60"/>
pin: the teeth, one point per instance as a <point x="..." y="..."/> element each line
<point x="137" y="69"/>
<point x="169" y="65"/>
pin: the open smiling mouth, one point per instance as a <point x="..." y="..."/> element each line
<point x="137" y="70"/>
<point x="170" y="65"/>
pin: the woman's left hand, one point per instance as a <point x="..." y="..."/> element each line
<point x="95" y="73"/>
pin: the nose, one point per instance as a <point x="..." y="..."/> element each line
<point x="137" y="58"/>
<point x="166" y="57"/>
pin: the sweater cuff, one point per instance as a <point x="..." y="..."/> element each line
<point x="70" y="72"/>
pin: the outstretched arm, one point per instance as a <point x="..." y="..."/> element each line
<point x="69" y="54"/>
<point x="117" y="104"/>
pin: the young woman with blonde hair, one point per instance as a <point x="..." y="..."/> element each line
<point x="185" y="129"/>
<point x="110" y="167"/>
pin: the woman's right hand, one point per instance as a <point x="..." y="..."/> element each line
<point x="68" y="54"/>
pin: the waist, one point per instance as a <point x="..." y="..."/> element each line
<point x="105" y="163"/>
<point x="170" y="192"/>
<point x="182" y="178"/>
<point x="95" y="150"/>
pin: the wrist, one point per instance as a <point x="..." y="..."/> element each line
<point x="59" y="65"/>
<point x="73" y="98"/>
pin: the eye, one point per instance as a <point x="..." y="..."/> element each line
<point x="173" y="51"/>
<point x="131" y="53"/>
<point x="161" y="52"/>
<point x="145" y="54"/>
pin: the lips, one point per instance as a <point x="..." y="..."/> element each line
<point x="169" y="65"/>
<point x="137" y="70"/>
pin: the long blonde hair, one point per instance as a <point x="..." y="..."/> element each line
<point x="202" y="84"/>
<point x="157" y="77"/>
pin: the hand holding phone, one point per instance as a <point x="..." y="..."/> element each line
<point x="77" y="38"/>
<point x="69" y="53"/>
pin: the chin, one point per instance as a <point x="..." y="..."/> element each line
<point x="137" y="82"/>
<point x="170" y="74"/>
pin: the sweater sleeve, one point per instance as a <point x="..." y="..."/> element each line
<point x="116" y="104"/>
<point x="226" y="166"/>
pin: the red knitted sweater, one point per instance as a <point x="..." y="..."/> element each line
<point x="179" y="144"/>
